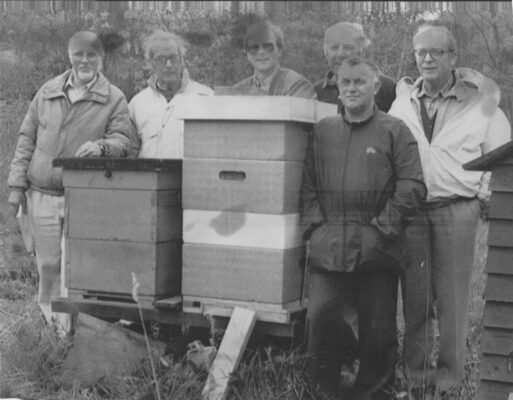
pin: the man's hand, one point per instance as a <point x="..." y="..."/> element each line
<point x="89" y="149"/>
<point x="17" y="198"/>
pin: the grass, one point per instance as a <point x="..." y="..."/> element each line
<point x="31" y="355"/>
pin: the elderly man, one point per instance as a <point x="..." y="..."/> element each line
<point x="454" y="116"/>
<point x="343" y="40"/>
<point x="362" y="184"/>
<point x="264" y="45"/>
<point x="78" y="113"/>
<point x="152" y="110"/>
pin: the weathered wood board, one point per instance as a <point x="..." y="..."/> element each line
<point x="132" y="215"/>
<point x="102" y="265"/>
<point x="498" y="315"/>
<point x="242" y="273"/>
<point x="246" y="140"/>
<point x="500" y="260"/>
<point x="490" y="390"/>
<point x="267" y="187"/>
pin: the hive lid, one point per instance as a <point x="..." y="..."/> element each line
<point x="261" y="108"/>
<point x="126" y="164"/>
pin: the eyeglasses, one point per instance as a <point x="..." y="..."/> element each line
<point x="267" y="46"/>
<point x="434" y="53"/>
<point x="174" y="59"/>
<point x="90" y="56"/>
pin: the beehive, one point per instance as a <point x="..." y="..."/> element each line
<point x="243" y="159"/>
<point x="123" y="216"/>
<point x="496" y="369"/>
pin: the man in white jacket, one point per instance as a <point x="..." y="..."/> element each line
<point x="454" y="116"/>
<point x="153" y="110"/>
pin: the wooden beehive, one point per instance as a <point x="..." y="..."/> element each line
<point x="123" y="216"/>
<point x="496" y="369"/>
<point x="243" y="159"/>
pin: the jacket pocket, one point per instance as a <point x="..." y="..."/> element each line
<point x="326" y="247"/>
<point x="372" y="244"/>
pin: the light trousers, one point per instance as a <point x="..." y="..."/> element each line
<point x="47" y="217"/>
<point x="437" y="285"/>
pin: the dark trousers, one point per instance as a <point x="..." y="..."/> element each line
<point x="373" y="293"/>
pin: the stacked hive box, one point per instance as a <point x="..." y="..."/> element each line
<point x="123" y="216"/>
<point x="495" y="371"/>
<point x="243" y="159"/>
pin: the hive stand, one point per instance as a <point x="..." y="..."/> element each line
<point x="496" y="370"/>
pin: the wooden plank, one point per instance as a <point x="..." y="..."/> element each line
<point x="501" y="204"/>
<point x="266" y="187"/>
<point x="500" y="233"/>
<point x="496" y="368"/>
<point x="502" y="154"/>
<point x="133" y="215"/>
<point x="123" y="179"/>
<point x="277" y="313"/>
<point x="498" y="315"/>
<point x="100" y="265"/>
<point x="490" y="390"/>
<point x="246" y="140"/>
<point x="252" y="108"/>
<point x="497" y="341"/>
<point x="499" y="260"/>
<point x="270" y="275"/>
<point x="229" y="354"/>
<point x="227" y="228"/>
<point x="502" y="179"/>
<point x="499" y="288"/>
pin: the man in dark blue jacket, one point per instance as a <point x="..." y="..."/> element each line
<point x="362" y="185"/>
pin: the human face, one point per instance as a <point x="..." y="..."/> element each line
<point x="85" y="63"/>
<point x="264" y="55"/>
<point x="357" y="86"/>
<point x="340" y="46"/>
<point x="435" y="72"/>
<point x="167" y="64"/>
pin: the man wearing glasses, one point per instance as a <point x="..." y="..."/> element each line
<point x="341" y="41"/>
<point x="454" y="116"/>
<point x="264" y="45"/>
<point x="152" y="110"/>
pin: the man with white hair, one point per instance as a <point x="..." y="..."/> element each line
<point x="454" y="115"/>
<point x="152" y="110"/>
<point x="344" y="40"/>
<point x="78" y="113"/>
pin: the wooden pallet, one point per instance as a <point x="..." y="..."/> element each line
<point x="146" y="301"/>
<point x="277" y="313"/>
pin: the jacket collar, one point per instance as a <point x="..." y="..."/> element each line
<point x="329" y="80"/>
<point x="360" y="123"/>
<point x="467" y="83"/>
<point x="99" y="92"/>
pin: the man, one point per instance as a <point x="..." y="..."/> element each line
<point x="341" y="41"/>
<point x="362" y="184"/>
<point x="454" y="116"/>
<point x="152" y="110"/>
<point x="264" y="45"/>
<point x="78" y="113"/>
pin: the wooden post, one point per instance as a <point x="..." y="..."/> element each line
<point x="229" y="354"/>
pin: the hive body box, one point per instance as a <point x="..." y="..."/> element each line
<point x="123" y="216"/>
<point x="243" y="159"/>
<point x="496" y="373"/>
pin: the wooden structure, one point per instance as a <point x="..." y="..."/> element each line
<point x="496" y="370"/>
<point x="241" y="249"/>
<point x="243" y="158"/>
<point x="122" y="216"/>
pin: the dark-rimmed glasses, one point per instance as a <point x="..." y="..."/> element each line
<point x="267" y="46"/>
<point x="174" y="59"/>
<point x="434" y="53"/>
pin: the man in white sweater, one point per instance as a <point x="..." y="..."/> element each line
<point x="453" y="114"/>
<point x="153" y="110"/>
